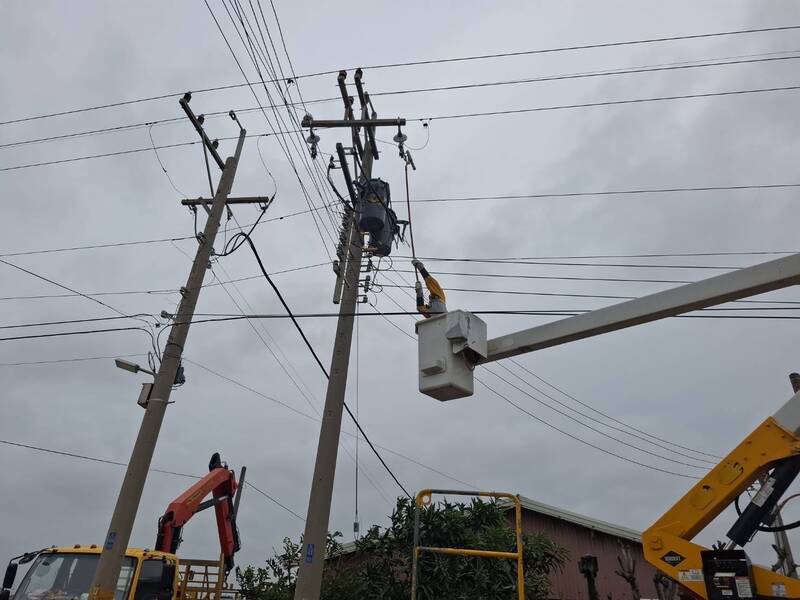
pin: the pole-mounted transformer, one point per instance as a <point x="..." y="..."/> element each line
<point x="377" y="217"/>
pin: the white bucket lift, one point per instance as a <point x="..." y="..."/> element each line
<point x="449" y="346"/>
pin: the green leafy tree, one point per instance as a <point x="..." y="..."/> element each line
<point x="381" y="565"/>
<point x="277" y="579"/>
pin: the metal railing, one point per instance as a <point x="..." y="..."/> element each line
<point x="423" y="499"/>
<point x="204" y="580"/>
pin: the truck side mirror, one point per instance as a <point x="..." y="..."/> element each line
<point x="10" y="576"/>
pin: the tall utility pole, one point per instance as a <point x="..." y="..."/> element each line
<point x="119" y="531"/>
<point x="312" y="558"/>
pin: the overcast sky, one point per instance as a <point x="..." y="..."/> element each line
<point x="700" y="383"/>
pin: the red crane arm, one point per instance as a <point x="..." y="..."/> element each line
<point x="221" y="484"/>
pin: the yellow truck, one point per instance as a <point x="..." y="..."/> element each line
<point x="66" y="572"/>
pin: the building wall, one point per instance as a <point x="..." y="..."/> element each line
<point x="578" y="540"/>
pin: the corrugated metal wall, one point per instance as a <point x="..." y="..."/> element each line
<point x="571" y="585"/>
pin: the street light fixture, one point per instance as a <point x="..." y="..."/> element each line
<point x="132" y="367"/>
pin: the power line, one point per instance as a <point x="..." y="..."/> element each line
<point x="64" y="287"/>
<point x="578" y="439"/>
<point x="517" y="111"/>
<point x="319" y="363"/>
<point x="501" y="259"/>
<point x="542" y="313"/>
<point x="481" y="198"/>
<point x="279" y="361"/>
<point x="93" y="156"/>
<point x="438" y="117"/>
<point x="553" y="277"/>
<point x="279" y="135"/>
<point x="67" y="360"/>
<point x="161" y="291"/>
<point x="607" y="416"/>
<point x="698" y="63"/>
<point x="416" y="63"/>
<point x="122" y="464"/>
<point x="317" y="420"/>
<point x="558" y="429"/>
<point x="591" y="74"/>
<point x="71" y="333"/>
<point x="793" y="303"/>
<point x="268" y="497"/>
<point x="591" y="427"/>
<point x="672" y="190"/>
<point x="150" y="148"/>
<point x="73" y="321"/>
<point x="147" y="241"/>
<point x="572" y="48"/>
<point x="571" y="436"/>
<point x="511" y="259"/>
<point x="577" y="264"/>
<point x="147" y="330"/>
<point x="505" y="112"/>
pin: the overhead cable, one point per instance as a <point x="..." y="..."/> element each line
<point x="319" y="363"/>
<point x="423" y="62"/>
<point x="515" y="111"/>
<point x="699" y="63"/>
<point x="122" y="464"/>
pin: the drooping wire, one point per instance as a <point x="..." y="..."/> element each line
<point x="342" y="199"/>
<point x="266" y="168"/>
<point x="319" y="361"/>
<point x="356" y="525"/>
<point x="595" y="429"/>
<point x="277" y="132"/>
<point x="607" y="416"/>
<point x="410" y="222"/>
<point x="292" y="378"/>
<point x="122" y="464"/>
<point x="149" y="325"/>
<point x="161" y="163"/>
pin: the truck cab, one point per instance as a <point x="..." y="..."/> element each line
<point x="65" y="573"/>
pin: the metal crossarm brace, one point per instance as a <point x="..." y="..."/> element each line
<point x="241" y="200"/>
<point x="309" y="121"/>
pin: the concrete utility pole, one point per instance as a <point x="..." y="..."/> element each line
<point x="119" y="531"/>
<point x="312" y="558"/>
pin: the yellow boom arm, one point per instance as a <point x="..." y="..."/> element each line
<point x="667" y="544"/>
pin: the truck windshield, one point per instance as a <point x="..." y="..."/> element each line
<point x="64" y="576"/>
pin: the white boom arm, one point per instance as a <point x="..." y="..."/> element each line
<point x="445" y="371"/>
<point x="748" y="281"/>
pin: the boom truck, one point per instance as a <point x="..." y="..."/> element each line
<point x="66" y="572"/>
<point x="769" y="455"/>
<point x="453" y="344"/>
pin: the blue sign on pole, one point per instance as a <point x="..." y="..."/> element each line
<point x="310" y="553"/>
<point x="112" y="536"/>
